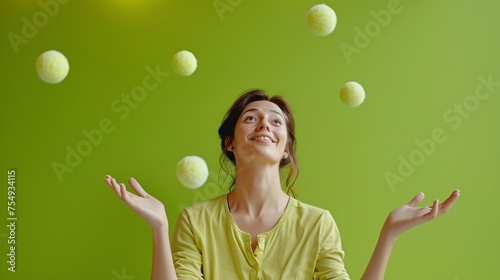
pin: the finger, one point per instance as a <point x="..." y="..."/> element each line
<point x="416" y="200"/>
<point x="126" y="196"/>
<point x="137" y="187"/>
<point x="107" y="180"/>
<point x="114" y="185"/>
<point x="427" y="213"/>
<point x="448" y="203"/>
<point x="435" y="209"/>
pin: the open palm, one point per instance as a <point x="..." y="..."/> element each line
<point x="409" y="215"/>
<point x="148" y="207"/>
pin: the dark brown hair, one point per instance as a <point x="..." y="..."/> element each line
<point x="226" y="132"/>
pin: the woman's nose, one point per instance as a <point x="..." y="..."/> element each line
<point x="264" y="125"/>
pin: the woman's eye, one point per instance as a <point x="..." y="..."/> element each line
<point x="277" y="121"/>
<point x="250" y="118"/>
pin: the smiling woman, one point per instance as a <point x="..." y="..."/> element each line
<point x="257" y="230"/>
<point x="284" y="113"/>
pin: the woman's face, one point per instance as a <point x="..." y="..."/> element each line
<point x="260" y="134"/>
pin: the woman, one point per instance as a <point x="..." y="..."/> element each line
<point x="257" y="231"/>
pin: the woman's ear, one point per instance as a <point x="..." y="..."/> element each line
<point x="228" y="142"/>
<point x="285" y="158"/>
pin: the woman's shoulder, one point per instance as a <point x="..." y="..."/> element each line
<point x="216" y="203"/>
<point x="309" y="211"/>
<point x="306" y="206"/>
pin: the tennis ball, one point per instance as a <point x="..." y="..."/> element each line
<point x="184" y="63"/>
<point x="321" y="20"/>
<point x="352" y="94"/>
<point x="192" y="172"/>
<point x="52" y="67"/>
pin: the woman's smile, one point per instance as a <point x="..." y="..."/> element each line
<point x="262" y="138"/>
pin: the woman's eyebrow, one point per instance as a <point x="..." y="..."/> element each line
<point x="271" y="110"/>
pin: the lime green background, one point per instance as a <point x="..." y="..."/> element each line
<point x="424" y="61"/>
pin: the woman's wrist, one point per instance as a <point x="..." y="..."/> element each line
<point x="388" y="234"/>
<point x="161" y="228"/>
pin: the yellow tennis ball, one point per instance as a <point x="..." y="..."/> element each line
<point x="352" y="94"/>
<point x="52" y="67"/>
<point x="192" y="171"/>
<point x="321" y="20"/>
<point x="184" y="63"/>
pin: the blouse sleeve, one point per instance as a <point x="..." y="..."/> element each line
<point x="330" y="263"/>
<point x="185" y="252"/>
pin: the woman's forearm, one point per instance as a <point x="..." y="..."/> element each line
<point x="163" y="264"/>
<point x="380" y="257"/>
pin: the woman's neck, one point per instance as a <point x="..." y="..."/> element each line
<point x="257" y="191"/>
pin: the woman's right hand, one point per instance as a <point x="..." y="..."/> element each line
<point x="149" y="208"/>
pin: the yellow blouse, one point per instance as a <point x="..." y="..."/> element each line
<point x="304" y="244"/>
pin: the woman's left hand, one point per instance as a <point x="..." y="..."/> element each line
<point x="409" y="215"/>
